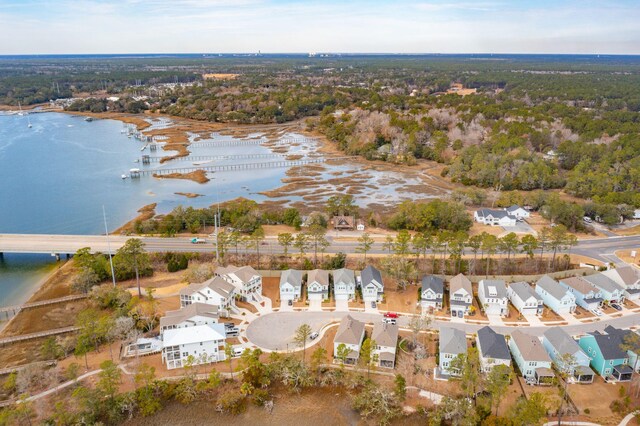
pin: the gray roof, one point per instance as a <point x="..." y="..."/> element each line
<point x="495" y="213"/>
<point x="524" y="290"/>
<point x="603" y="282"/>
<point x="434" y="283"/>
<point x="458" y="282"/>
<point x="513" y="208"/>
<point x="561" y="341"/>
<point x="293" y="277"/>
<point x="452" y="341"/>
<point x="344" y="275"/>
<point x="579" y="285"/>
<point x="492" y="344"/>
<point x="350" y="331"/>
<point x="552" y="287"/>
<point x="216" y="284"/>
<point x="501" y="289"/>
<point x="188" y="312"/>
<point x="627" y="337"/>
<point x="321" y="276"/>
<point x="385" y="334"/>
<point x="529" y="346"/>
<point x="609" y="345"/>
<point x="370" y="274"/>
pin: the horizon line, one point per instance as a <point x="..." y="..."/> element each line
<point x="317" y="54"/>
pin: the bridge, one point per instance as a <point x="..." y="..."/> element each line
<point x="249" y="142"/>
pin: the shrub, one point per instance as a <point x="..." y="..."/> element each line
<point x="231" y="402"/>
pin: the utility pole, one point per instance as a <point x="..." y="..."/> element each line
<point x="113" y="275"/>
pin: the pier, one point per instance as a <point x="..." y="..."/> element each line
<point x="31" y="336"/>
<point x="9" y="311"/>
<point x="147" y="159"/>
<point x="250" y="142"/>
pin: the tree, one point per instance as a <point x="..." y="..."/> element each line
<point x="342" y="353"/>
<point x="373" y="401"/>
<point x="365" y="244"/>
<point x="631" y="343"/>
<point x="531" y="411"/>
<point x="497" y="383"/>
<point x="285" y="240"/>
<point x="509" y="244"/>
<point x="400" y="388"/>
<point x="301" y="243"/>
<point x="256" y="238"/>
<point x="474" y="243"/>
<point x="417" y="324"/>
<point x="468" y="366"/>
<point x="566" y="364"/>
<point x="401" y="243"/>
<point x="109" y="380"/>
<point x="489" y="246"/>
<point x="51" y="349"/>
<point x="318" y="357"/>
<point x="133" y="255"/>
<point x="388" y="243"/>
<point x="367" y="354"/>
<point x="302" y="334"/>
<point x="544" y="236"/>
<point x="228" y="355"/>
<point x="318" y="241"/>
<point x="85" y="280"/>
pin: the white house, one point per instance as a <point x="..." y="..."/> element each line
<point x="492" y="349"/>
<point x="587" y="296"/>
<point x="453" y="342"/>
<point x="214" y="291"/>
<point x="629" y="278"/>
<point x="526" y="301"/>
<point x="460" y="296"/>
<point x="291" y="285"/>
<point x="556" y="297"/>
<point x="360" y="225"/>
<point x="189" y="316"/>
<point x="612" y="292"/>
<point x="371" y="284"/>
<point x="385" y="337"/>
<point x="517" y="212"/>
<point x="431" y="292"/>
<point x="245" y="279"/>
<point x="494" y="217"/>
<point x="351" y="334"/>
<point x="492" y="295"/>
<point x="318" y="284"/>
<point x="344" y="284"/>
<point x="205" y="343"/>
<point x="531" y="357"/>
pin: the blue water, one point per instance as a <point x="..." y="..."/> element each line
<point x="56" y="176"/>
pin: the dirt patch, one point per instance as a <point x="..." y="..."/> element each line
<point x="625" y="256"/>
<point x="145" y="213"/>
<point x="220" y="76"/>
<point x="628" y="231"/>
<point x="199" y="176"/>
<point x="189" y="194"/>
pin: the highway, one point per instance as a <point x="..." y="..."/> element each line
<point x="600" y="249"/>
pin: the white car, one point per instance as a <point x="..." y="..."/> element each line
<point x="587" y="219"/>
<point x="391" y="321"/>
<point x="597" y="312"/>
<point x="314" y="335"/>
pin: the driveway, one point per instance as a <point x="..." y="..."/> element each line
<point x="520" y="228"/>
<point x="315" y="305"/>
<point x="342" y="305"/>
<point x="284" y="306"/>
<point x="274" y="331"/>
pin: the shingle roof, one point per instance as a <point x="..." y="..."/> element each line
<point x="627" y="337"/>
<point x="196" y="334"/>
<point x="344" y="275"/>
<point x="244" y="273"/>
<point x="492" y="344"/>
<point x="628" y="274"/>
<point x="603" y="282"/>
<point x="579" y="285"/>
<point x="561" y="341"/>
<point x="609" y="345"/>
<point x="370" y="274"/>
<point x="501" y="289"/>
<point x="552" y="287"/>
<point x="452" y="341"/>
<point x="434" y="283"/>
<point x="350" y="331"/>
<point x="524" y="290"/>
<point x="385" y="334"/>
<point x="189" y="311"/>
<point x="216" y="284"/>
<point x="293" y="277"/>
<point x="494" y="213"/>
<point x="458" y="282"/>
<point x="513" y="208"/>
<point x="529" y="346"/>
<point x="320" y="276"/>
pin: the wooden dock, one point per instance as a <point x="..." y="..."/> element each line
<point x="250" y="142"/>
<point x="146" y="159"/>
<point x="13" y="310"/>
<point x="31" y="336"/>
<point x="232" y="167"/>
<point x="10" y="370"/>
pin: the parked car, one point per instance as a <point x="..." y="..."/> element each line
<point x="198" y="241"/>
<point x="391" y="315"/>
<point x="373" y="305"/>
<point x="314" y="335"/>
<point x="597" y="312"/>
<point x="290" y="302"/>
<point x="616" y="306"/>
<point x="237" y="351"/>
<point x="587" y="219"/>
<point x="391" y="321"/>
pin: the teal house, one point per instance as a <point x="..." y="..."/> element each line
<point x="607" y="358"/>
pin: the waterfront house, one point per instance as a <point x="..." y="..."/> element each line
<point x="526" y="301"/>
<point x="371" y="284"/>
<point x="531" y="358"/>
<point x="245" y="279"/>
<point x="351" y="334"/>
<point x="629" y="278"/>
<point x="492" y="295"/>
<point x="189" y="316"/>
<point x="385" y="336"/>
<point x="611" y="291"/>
<point x="607" y="358"/>
<point x="627" y="338"/>
<point x="556" y="297"/>
<point x="460" y="296"/>
<point x="291" y="285"/>
<point x="205" y="343"/>
<point x="214" y="291"/>
<point x="517" y="212"/>
<point x="492" y="349"/>
<point x="453" y="342"/>
<point x="558" y="343"/>
<point x="344" y="223"/>
<point x="587" y="296"/>
<point x="344" y="284"/>
<point x="431" y="292"/>
<point x="318" y="284"/>
<point x="494" y="217"/>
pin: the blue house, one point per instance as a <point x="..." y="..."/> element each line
<point x="587" y="296"/>
<point x="531" y="358"/>
<point x="558" y="343"/>
<point x="607" y="358"/>
<point x="612" y="292"/>
<point x="556" y="297"/>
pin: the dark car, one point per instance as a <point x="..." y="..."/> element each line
<point x="616" y="306"/>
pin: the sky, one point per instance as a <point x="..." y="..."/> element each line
<point x="296" y="26"/>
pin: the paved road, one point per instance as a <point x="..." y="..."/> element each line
<point x="276" y="331"/>
<point x="600" y="249"/>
